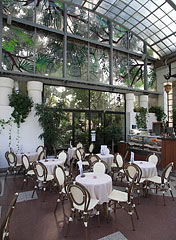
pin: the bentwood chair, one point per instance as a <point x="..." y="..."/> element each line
<point x="80" y="156"/>
<point x="14" y="166"/>
<point x="163" y="183"/>
<point x="62" y="156"/>
<point x="28" y="169"/>
<point x="91" y="148"/>
<point x="60" y="179"/>
<point x="39" y="149"/>
<point x="154" y="158"/>
<point x="41" y="155"/>
<point x="82" y="205"/>
<point x="99" y="166"/>
<point x="42" y="176"/>
<point x="79" y="145"/>
<point x="117" y="167"/>
<point x="4" y="230"/>
<point x="92" y="158"/>
<point x="131" y="170"/>
<point x="124" y="200"/>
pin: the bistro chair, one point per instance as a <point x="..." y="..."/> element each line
<point x="154" y="158"/>
<point x="39" y="149"/>
<point x="41" y="155"/>
<point x="80" y="155"/>
<point x="62" y="156"/>
<point x="79" y="145"/>
<point x="91" y="148"/>
<point x="131" y="170"/>
<point x="42" y="177"/>
<point x="60" y="179"/>
<point x="28" y="169"/>
<point x="92" y="158"/>
<point x="4" y="230"/>
<point x="14" y="167"/>
<point x="124" y="200"/>
<point x="81" y="203"/>
<point x="117" y="167"/>
<point x="99" y="166"/>
<point x="163" y="183"/>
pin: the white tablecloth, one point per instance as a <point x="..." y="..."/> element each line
<point x="108" y="158"/>
<point x="99" y="187"/>
<point x="148" y="169"/>
<point x="51" y="163"/>
<point x="32" y="157"/>
<point x="70" y="154"/>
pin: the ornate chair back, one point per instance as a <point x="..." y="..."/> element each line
<point x="153" y="158"/>
<point x="60" y="177"/>
<point x="99" y="166"/>
<point x="91" y="148"/>
<point x="79" y="145"/>
<point x="25" y="162"/>
<point x="41" y="155"/>
<point x="12" y="159"/>
<point x="40" y="171"/>
<point x="166" y="172"/>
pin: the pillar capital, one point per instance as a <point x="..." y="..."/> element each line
<point x="6" y="86"/>
<point x="35" y="91"/>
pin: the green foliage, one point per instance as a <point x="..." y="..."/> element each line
<point x="159" y="113"/>
<point x="49" y="119"/>
<point x="24" y="37"/>
<point x="10" y="47"/>
<point x="151" y="77"/>
<point x="22" y="106"/>
<point x="141" y="118"/>
<point x="113" y="132"/>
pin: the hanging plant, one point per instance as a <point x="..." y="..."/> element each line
<point x="22" y="106"/>
<point x="141" y="118"/>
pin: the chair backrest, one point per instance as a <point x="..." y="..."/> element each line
<point x="62" y="156"/>
<point x="59" y="177"/>
<point x="78" y="196"/>
<point x="131" y="187"/>
<point x="78" y="152"/>
<point x="153" y="158"/>
<point x="91" y="148"/>
<point x="41" y="155"/>
<point x="118" y="160"/>
<point x="131" y="170"/>
<point x="25" y="162"/>
<point x="99" y="166"/>
<point x="41" y="171"/>
<point x="12" y="159"/>
<point x="39" y="149"/>
<point x="93" y="158"/>
<point x="78" y="155"/>
<point x="166" y="172"/>
<point x="4" y="230"/>
<point x="79" y="145"/>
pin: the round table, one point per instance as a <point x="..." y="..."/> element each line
<point x="148" y="169"/>
<point x="99" y="185"/>
<point x="108" y="158"/>
<point x="32" y="156"/>
<point x="70" y="154"/>
<point x="51" y="163"/>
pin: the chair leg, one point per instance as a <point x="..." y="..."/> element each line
<point x="7" y="172"/>
<point x="25" y="180"/>
<point x="58" y="200"/>
<point x="86" y="224"/>
<point x="170" y="191"/>
<point x="35" y="188"/>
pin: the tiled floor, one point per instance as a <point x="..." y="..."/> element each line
<point x="35" y="219"/>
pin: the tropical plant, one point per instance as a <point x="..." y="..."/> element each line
<point x="22" y="105"/>
<point x="49" y="119"/>
<point x="141" y="118"/>
<point x="159" y="113"/>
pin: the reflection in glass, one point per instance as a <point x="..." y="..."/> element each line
<point x="136" y="72"/>
<point x="17" y="49"/>
<point x="135" y="44"/>
<point x="49" y="54"/>
<point x="119" y="36"/>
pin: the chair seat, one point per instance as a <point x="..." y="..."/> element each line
<point x="85" y="163"/>
<point x="67" y="173"/>
<point x="142" y="180"/>
<point x="117" y="195"/>
<point x="156" y="179"/>
<point x="49" y="178"/>
<point x="18" y="164"/>
<point x="113" y="165"/>
<point x="30" y="172"/>
<point x="92" y="204"/>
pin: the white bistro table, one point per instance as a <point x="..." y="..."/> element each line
<point x="108" y="158"/>
<point x="99" y="185"/>
<point x="148" y="169"/>
<point x="32" y="156"/>
<point x="50" y="163"/>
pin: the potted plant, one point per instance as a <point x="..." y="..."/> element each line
<point x="141" y="118"/>
<point x="159" y="113"/>
<point x="136" y="108"/>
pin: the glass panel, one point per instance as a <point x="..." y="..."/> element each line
<point x="135" y="43"/>
<point x="17" y="49"/>
<point x="50" y="14"/>
<point x="114" y="129"/>
<point x="49" y="54"/>
<point x="106" y="101"/>
<point x="77" y="60"/>
<point x="19" y="9"/>
<point x="120" y="69"/>
<point x="136" y="73"/>
<point x="81" y="127"/>
<point x="97" y="125"/>
<point x="66" y="130"/>
<point x="151" y="76"/>
<point x="98" y="28"/>
<point x="73" y="98"/>
<point x="77" y="21"/>
<point x="99" y="65"/>
<point x="119" y="36"/>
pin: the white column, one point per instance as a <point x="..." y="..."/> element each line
<point x="35" y="91"/>
<point x="6" y="86"/>
<point x="129" y="102"/>
<point x="144" y="101"/>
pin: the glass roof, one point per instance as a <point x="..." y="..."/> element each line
<point x="154" y="21"/>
